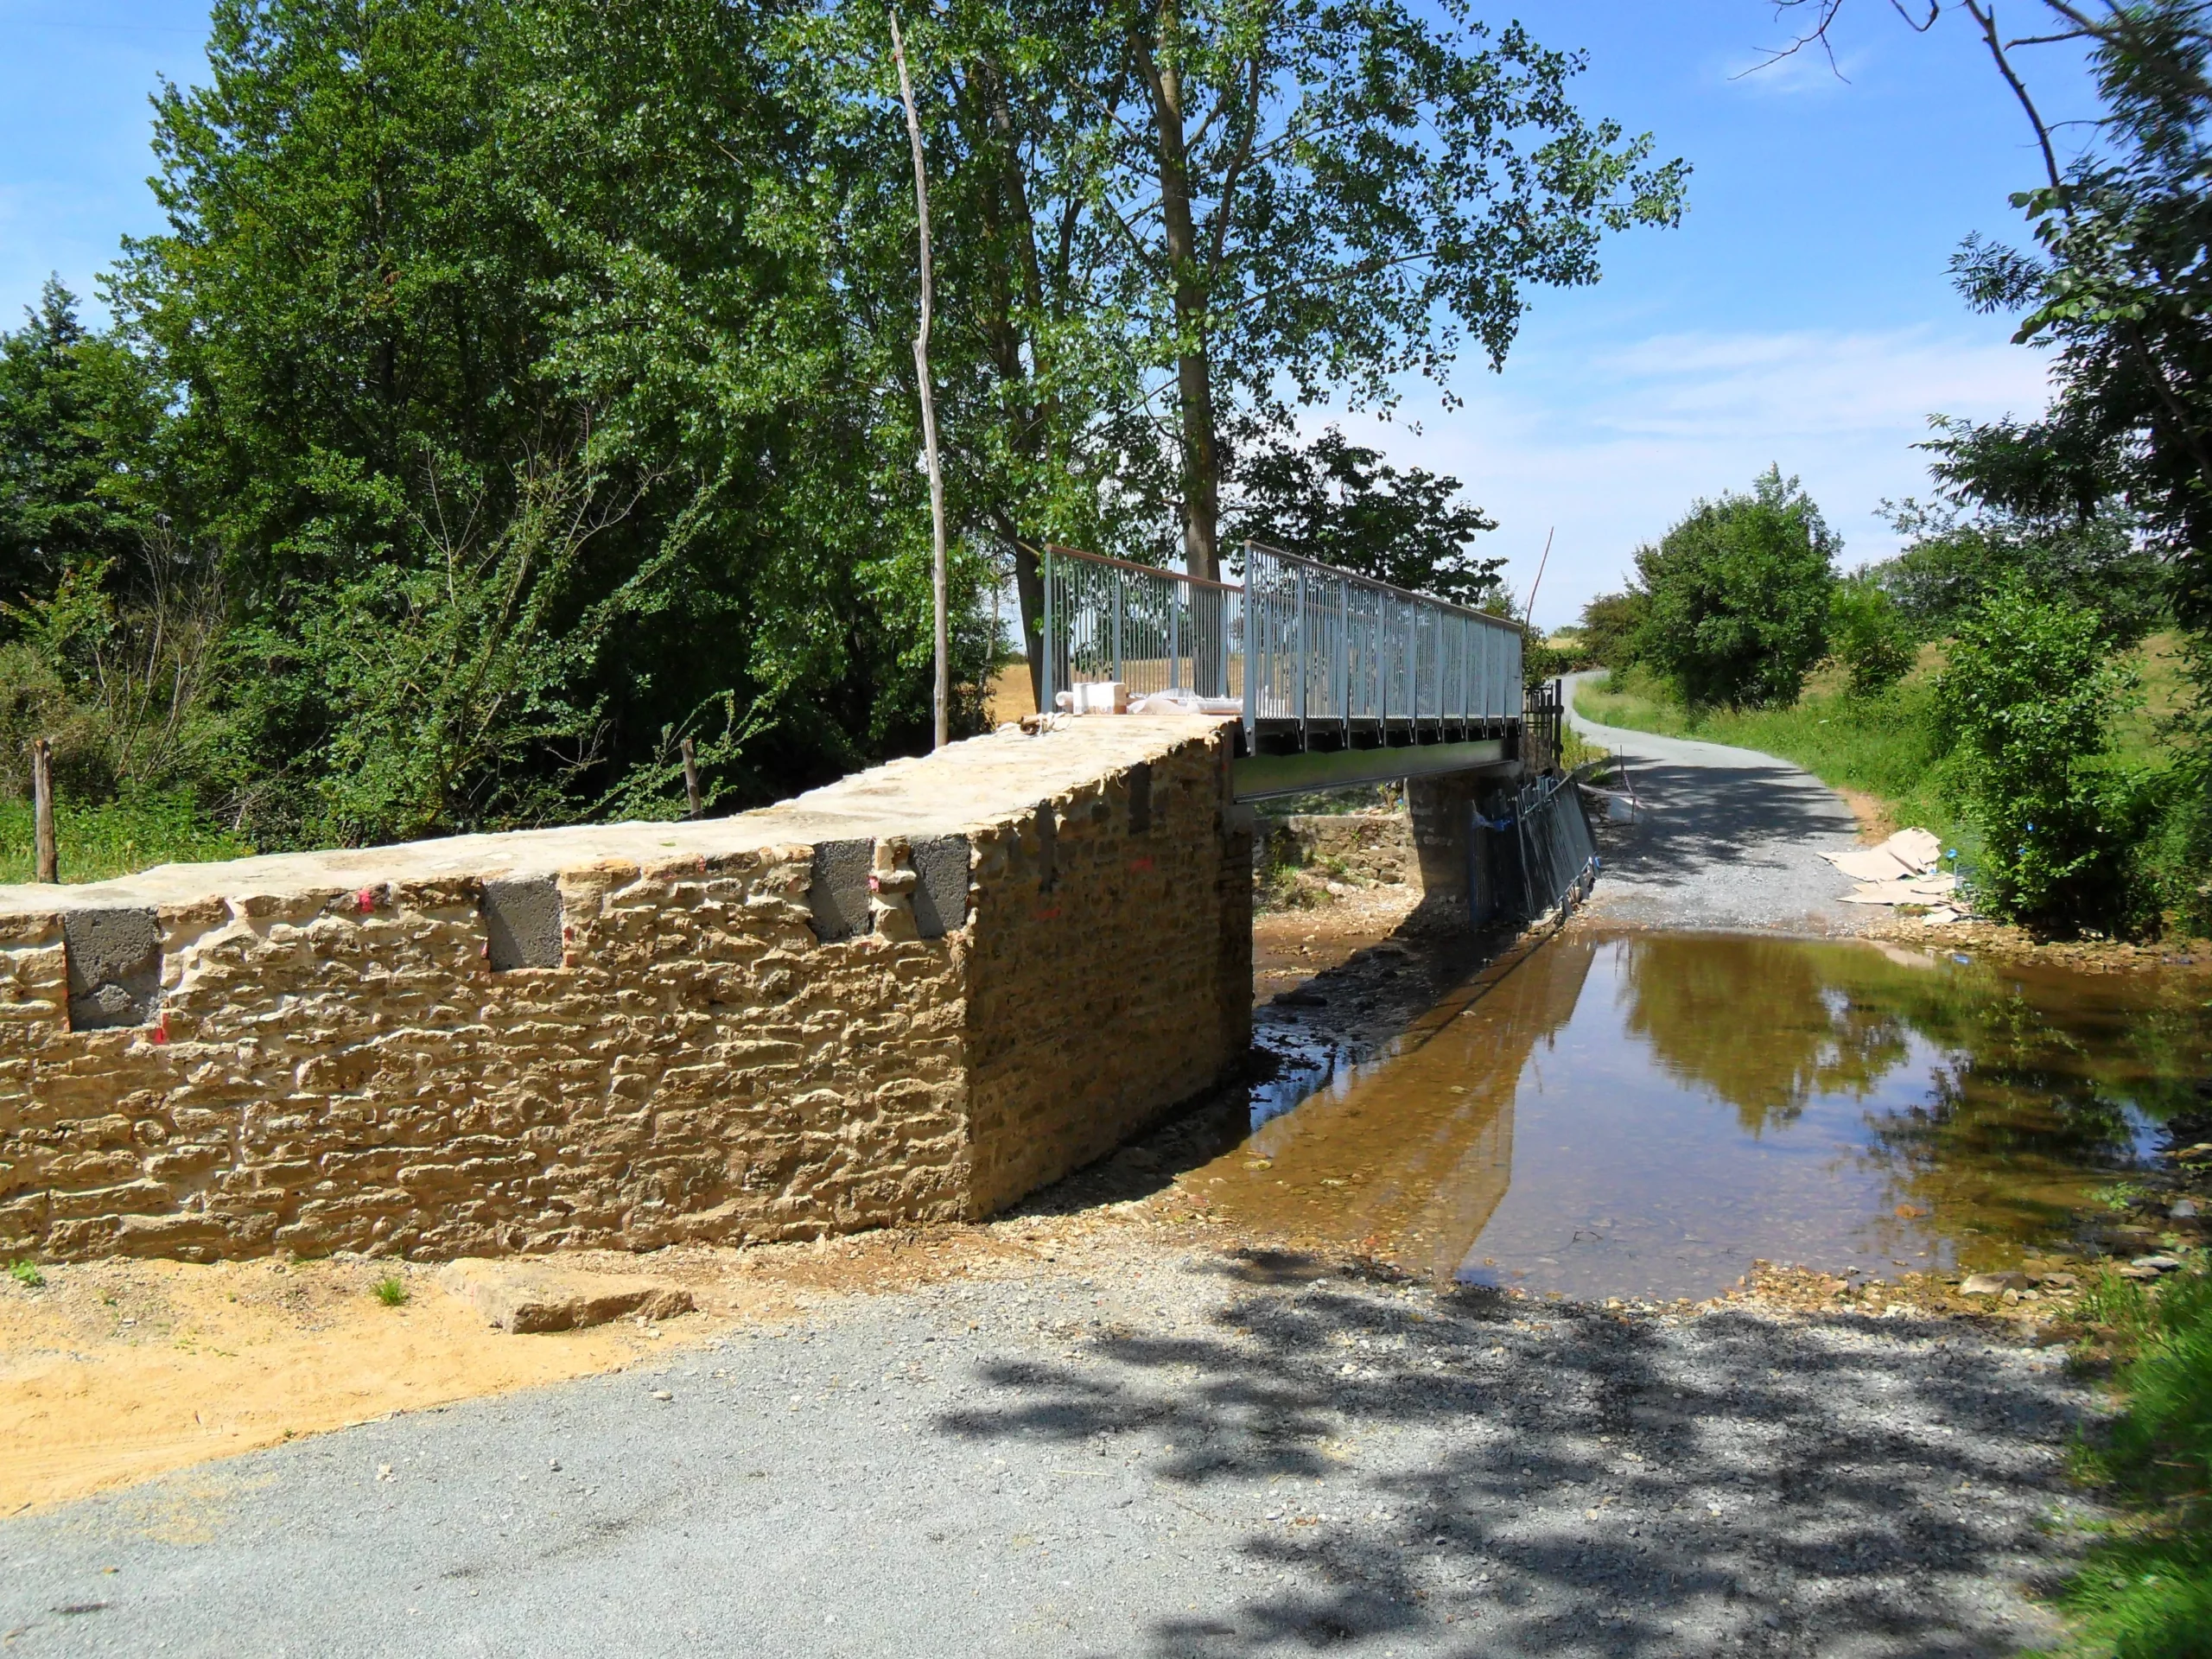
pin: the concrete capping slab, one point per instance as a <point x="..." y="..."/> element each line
<point x="838" y="894"/>
<point x="941" y="896"/>
<point x="115" y="967"/>
<point x="522" y="922"/>
<point x="1141" y="798"/>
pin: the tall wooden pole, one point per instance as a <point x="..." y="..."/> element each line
<point x="943" y="699"/>
<point x="43" y="849"/>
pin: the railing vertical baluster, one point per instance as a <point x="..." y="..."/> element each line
<point x="1174" y="635"/>
<point x="1344" y="654"/>
<point x="1118" y="585"/>
<point x="1299" y="601"/>
<point x="1049" y="641"/>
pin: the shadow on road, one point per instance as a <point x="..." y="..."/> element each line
<point x="1700" y="819"/>
<point x="1570" y="1479"/>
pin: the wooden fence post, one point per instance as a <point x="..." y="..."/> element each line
<point x="47" y="856"/>
<point x="691" y="777"/>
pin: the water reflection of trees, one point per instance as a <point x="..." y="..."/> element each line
<point x="2035" y="1077"/>
<point x="1766" y="1025"/>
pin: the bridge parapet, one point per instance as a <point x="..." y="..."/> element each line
<point x="1311" y="657"/>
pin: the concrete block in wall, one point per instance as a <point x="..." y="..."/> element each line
<point x="1141" y="798"/>
<point x="115" y="967"/>
<point x="838" y="894"/>
<point x="522" y="922"/>
<point x="1048" y="845"/>
<point x="941" y="896"/>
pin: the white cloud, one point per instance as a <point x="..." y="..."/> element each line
<point x="1611" y="444"/>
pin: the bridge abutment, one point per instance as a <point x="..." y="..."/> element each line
<point x="914" y="995"/>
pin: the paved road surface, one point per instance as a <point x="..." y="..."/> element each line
<point x="1146" y="1453"/>
<point x="1729" y="838"/>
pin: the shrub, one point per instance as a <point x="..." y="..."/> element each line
<point x="1736" y="597"/>
<point x="392" y="1290"/>
<point x="2031" y="694"/>
<point x="1868" y="635"/>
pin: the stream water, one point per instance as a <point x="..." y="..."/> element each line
<point x="1645" y="1115"/>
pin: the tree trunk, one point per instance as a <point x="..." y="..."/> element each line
<point x="1201" y="456"/>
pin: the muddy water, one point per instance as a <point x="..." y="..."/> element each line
<point x="1645" y="1115"/>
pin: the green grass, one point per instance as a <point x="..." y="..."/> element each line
<point x="1886" y="746"/>
<point x="2147" y="1589"/>
<point x="114" y="838"/>
<point x="26" y="1274"/>
<point x="392" y="1290"/>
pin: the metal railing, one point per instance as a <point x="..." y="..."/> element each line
<point x="1153" y="630"/>
<point x="1306" y="649"/>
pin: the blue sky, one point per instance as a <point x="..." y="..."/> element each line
<point x="1801" y="314"/>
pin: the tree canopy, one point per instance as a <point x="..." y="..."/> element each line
<point x="1737" y="596"/>
<point x="519" y="389"/>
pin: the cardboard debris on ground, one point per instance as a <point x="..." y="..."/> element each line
<point x="1908" y="853"/>
<point x="1920" y="890"/>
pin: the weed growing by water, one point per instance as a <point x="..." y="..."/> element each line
<point x="26" y="1274"/>
<point x="2147" y="1592"/>
<point x="392" y="1290"/>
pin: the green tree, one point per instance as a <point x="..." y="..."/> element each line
<point x="1177" y="221"/>
<point x="1737" y="596"/>
<point x="1868" y="634"/>
<point x="75" y="408"/>
<point x="1610" y="623"/>
<point x="431" y="259"/>
<point x="2031" y="690"/>
<point x="1339" y="502"/>
<point x="2016" y="505"/>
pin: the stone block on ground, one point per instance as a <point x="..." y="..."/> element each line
<point x="1993" y="1284"/>
<point x="532" y="1296"/>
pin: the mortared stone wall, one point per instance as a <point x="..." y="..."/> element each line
<point x="914" y="995"/>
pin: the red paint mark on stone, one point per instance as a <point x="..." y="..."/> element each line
<point x="1141" y="863"/>
<point x="367" y="900"/>
<point x="1051" y="915"/>
<point x="162" y="1028"/>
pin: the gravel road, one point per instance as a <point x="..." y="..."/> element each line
<point x="1141" y="1451"/>
<point x="1727" y="838"/>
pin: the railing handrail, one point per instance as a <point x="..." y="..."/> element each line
<point x="1159" y="571"/>
<point x="1342" y="574"/>
<point x="1163" y="572"/>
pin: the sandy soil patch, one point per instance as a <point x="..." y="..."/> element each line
<point x="112" y="1371"/>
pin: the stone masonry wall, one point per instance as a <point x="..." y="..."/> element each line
<point x="910" y="997"/>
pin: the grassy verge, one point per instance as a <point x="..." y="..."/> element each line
<point x="1889" y="747"/>
<point x="2146" y="1590"/>
<point x="114" y="838"/>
